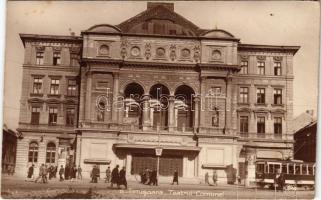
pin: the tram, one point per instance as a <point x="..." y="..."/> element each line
<point x="296" y="173"/>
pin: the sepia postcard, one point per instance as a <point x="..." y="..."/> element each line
<point x="160" y="100"/>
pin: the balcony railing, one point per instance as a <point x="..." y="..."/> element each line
<point x="265" y="136"/>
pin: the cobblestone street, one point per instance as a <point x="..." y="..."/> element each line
<point x="13" y="187"/>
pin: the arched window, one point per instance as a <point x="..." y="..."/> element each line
<point x="51" y="153"/>
<point x="33" y="152"/>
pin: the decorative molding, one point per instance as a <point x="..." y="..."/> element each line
<point x="197" y="53"/>
<point x="277" y="58"/>
<point x="56" y="48"/>
<point x="123" y="51"/>
<point x="148" y="52"/>
<point x="172" y="53"/>
<point x="244" y="57"/>
<point x="40" y="48"/>
<point x="262" y="58"/>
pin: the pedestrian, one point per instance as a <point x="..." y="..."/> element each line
<point x="67" y="172"/>
<point x="41" y="169"/>
<point x="94" y="174"/>
<point x="61" y="172"/>
<point x="44" y="174"/>
<point x="147" y="174"/>
<point x="175" y="177"/>
<point x="73" y="172"/>
<point x="153" y="178"/>
<point x="122" y="178"/>
<point x="51" y="171"/>
<point x="30" y="172"/>
<point x="55" y="171"/>
<point x="279" y="180"/>
<point x="115" y="176"/>
<point x="214" y="177"/>
<point x="79" y="170"/>
<point x="108" y="174"/>
<point x="206" y="178"/>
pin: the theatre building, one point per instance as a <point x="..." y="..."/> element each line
<point x="117" y="92"/>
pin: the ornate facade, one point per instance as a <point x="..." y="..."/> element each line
<point x="155" y="80"/>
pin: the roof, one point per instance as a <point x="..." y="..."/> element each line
<point x="253" y="47"/>
<point x="25" y="37"/>
<point x="301" y="121"/>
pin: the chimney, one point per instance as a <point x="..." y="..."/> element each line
<point x="169" y="6"/>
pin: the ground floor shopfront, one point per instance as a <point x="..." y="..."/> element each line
<point x="192" y="159"/>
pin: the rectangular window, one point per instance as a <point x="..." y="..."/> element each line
<point x="278" y="96"/>
<point x="261" y="68"/>
<point x="37" y="85"/>
<point x="54" y="87"/>
<point x="244" y="95"/>
<point x="53" y="113"/>
<point x="72" y="88"/>
<point x="39" y="58"/>
<point x="244" y="67"/>
<point x="277" y="69"/>
<point x="35" y="115"/>
<point x="100" y="115"/>
<point x="260" y="95"/>
<point x="74" y="60"/>
<point x="56" y="58"/>
<point x="215" y="91"/>
<point x="244" y="124"/>
<point x="261" y="125"/>
<point x="70" y="117"/>
<point x="277" y="125"/>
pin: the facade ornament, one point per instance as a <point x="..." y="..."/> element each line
<point x="261" y="57"/>
<point x="123" y="51"/>
<point x="148" y="52"/>
<point x="197" y="53"/>
<point x="277" y="58"/>
<point x="244" y="57"/>
<point x="40" y="48"/>
<point x="57" y="48"/>
<point x="172" y="53"/>
<point x="74" y="50"/>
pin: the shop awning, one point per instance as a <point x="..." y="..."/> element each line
<point x="97" y="161"/>
<point x="144" y="146"/>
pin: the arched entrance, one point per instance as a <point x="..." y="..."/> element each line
<point x="184" y="108"/>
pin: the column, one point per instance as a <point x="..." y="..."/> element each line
<point x="128" y="164"/>
<point x="151" y="116"/>
<point x="202" y="101"/>
<point x="250" y="158"/>
<point x="196" y="113"/>
<point x="146" y="112"/>
<point x="252" y="125"/>
<point x="88" y="97"/>
<point x="121" y="108"/>
<point x="115" y="95"/>
<point x="185" y="160"/>
<point x="229" y="96"/>
<point x="171" y="113"/>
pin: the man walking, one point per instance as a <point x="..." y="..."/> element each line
<point x="41" y="169"/>
<point x="115" y="176"/>
<point x="79" y="172"/>
<point x="175" y="177"/>
<point x="214" y="177"/>
<point x="108" y="173"/>
<point x="122" y="178"/>
<point x="61" y="172"/>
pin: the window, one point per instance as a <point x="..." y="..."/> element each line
<point x="100" y="115"/>
<point x="277" y="69"/>
<point x="244" y="95"/>
<point x="53" y="116"/>
<point x="72" y="88"/>
<point x="39" y="58"/>
<point x="35" y="115"/>
<point x="33" y="152"/>
<point x="74" y="60"/>
<point x="70" y="116"/>
<point x="214" y="91"/>
<point x="260" y="95"/>
<point x="261" y="68"/>
<point x="54" y="87"/>
<point x="244" y="124"/>
<point x="51" y="153"/>
<point x="277" y="125"/>
<point x="278" y="96"/>
<point x="37" y="85"/>
<point x="56" y="58"/>
<point x="244" y="67"/>
<point x="261" y="125"/>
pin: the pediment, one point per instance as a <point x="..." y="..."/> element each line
<point x="35" y="100"/>
<point x="159" y="16"/>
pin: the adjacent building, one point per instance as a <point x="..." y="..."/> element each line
<point x="117" y="92"/>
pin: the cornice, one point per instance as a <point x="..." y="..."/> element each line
<point x="271" y="48"/>
<point x="55" y="38"/>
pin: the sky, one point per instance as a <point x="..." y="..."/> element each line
<point x="293" y="23"/>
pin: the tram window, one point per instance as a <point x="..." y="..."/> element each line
<point x="291" y="169"/>
<point x="297" y="169"/>
<point x="310" y="170"/>
<point x="271" y="169"/>
<point x="260" y="168"/>
<point x="284" y="169"/>
<point x="304" y="169"/>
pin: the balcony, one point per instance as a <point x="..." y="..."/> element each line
<point x="266" y="136"/>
